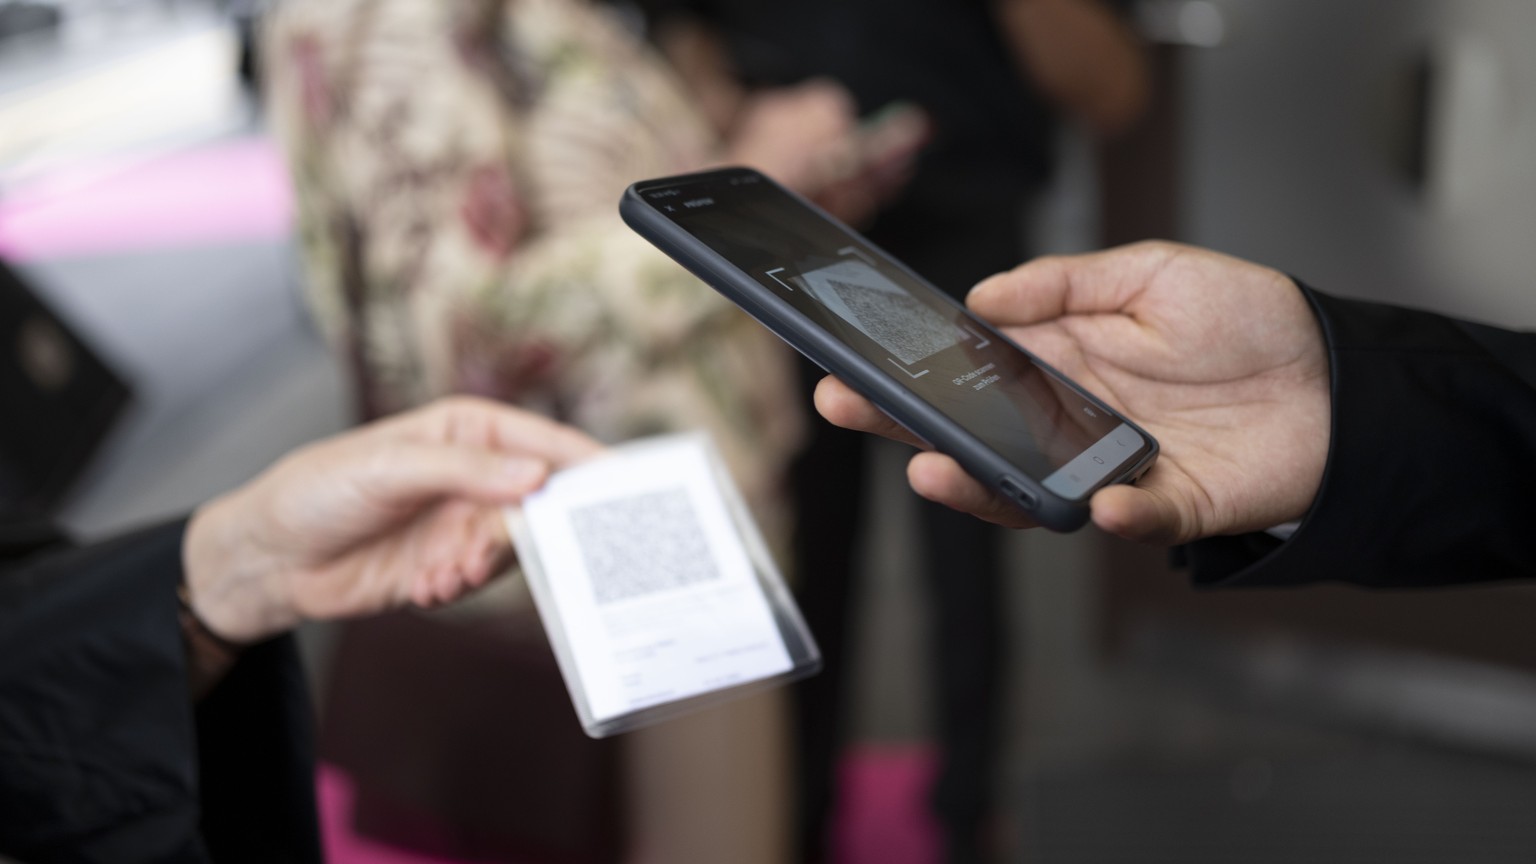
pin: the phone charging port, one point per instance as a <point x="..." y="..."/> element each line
<point x="1015" y="490"/>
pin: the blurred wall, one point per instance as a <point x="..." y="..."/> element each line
<point x="1384" y="149"/>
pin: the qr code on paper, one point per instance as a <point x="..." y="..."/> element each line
<point x="642" y="544"/>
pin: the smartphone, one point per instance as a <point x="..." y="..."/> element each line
<point x="948" y="377"/>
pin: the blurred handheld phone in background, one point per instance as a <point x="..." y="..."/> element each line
<point x="1010" y="420"/>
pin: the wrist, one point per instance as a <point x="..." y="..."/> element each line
<point x="232" y="587"/>
<point x="209" y="655"/>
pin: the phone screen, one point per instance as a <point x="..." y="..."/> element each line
<point x="917" y="336"/>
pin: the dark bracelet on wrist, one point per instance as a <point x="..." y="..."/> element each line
<point x="195" y="622"/>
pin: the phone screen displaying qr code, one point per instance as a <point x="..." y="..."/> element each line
<point x="641" y="545"/>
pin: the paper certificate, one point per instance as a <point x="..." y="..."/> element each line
<point x="650" y="579"/>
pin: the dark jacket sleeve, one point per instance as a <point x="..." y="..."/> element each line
<point x="1431" y="466"/>
<point x="99" y="740"/>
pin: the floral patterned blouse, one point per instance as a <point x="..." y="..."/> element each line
<point x="458" y="166"/>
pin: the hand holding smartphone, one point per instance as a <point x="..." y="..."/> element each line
<point x="1010" y="420"/>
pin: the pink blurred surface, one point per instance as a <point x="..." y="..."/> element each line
<point x="342" y="844"/>
<point x="883" y="816"/>
<point x="228" y="192"/>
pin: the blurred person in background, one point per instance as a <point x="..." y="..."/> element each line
<point x="995" y="78"/>
<point x="152" y="707"/>
<point x="458" y="168"/>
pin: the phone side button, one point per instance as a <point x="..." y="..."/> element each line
<point x="1015" y="490"/>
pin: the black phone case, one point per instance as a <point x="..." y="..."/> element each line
<point x="822" y="348"/>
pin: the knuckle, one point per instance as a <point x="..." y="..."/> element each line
<point x="458" y="403"/>
<point x="1157" y="247"/>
